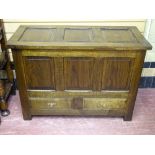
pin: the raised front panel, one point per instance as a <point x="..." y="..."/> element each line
<point x="78" y="73"/>
<point x="116" y="73"/>
<point x="39" y="72"/>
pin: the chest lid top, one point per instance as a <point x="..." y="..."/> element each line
<point x="78" y="37"/>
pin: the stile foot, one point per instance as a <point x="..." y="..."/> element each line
<point x="127" y="118"/>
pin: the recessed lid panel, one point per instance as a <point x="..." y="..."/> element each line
<point x="118" y="35"/>
<point x="38" y="35"/>
<point x="78" y="35"/>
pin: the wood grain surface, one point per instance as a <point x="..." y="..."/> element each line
<point x="73" y="70"/>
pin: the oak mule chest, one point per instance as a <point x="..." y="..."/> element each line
<point x="78" y="70"/>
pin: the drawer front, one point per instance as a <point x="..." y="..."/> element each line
<point x="53" y="104"/>
<point x="78" y="106"/>
<point x="104" y="103"/>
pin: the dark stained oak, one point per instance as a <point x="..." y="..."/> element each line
<point x="36" y="79"/>
<point x="116" y="73"/>
<point x="19" y="66"/>
<point x="78" y="70"/>
<point x="78" y="73"/>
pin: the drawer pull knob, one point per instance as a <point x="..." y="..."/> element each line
<point x="77" y="103"/>
<point x="51" y="105"/>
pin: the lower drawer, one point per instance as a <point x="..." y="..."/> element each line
<point x="78" y="106"/>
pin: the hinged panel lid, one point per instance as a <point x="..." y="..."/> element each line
<point x="78" y="37"/>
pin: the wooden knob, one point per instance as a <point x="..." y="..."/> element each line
<point x="77" y="103"/>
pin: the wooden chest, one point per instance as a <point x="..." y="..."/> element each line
<point x="75" y="70"/>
